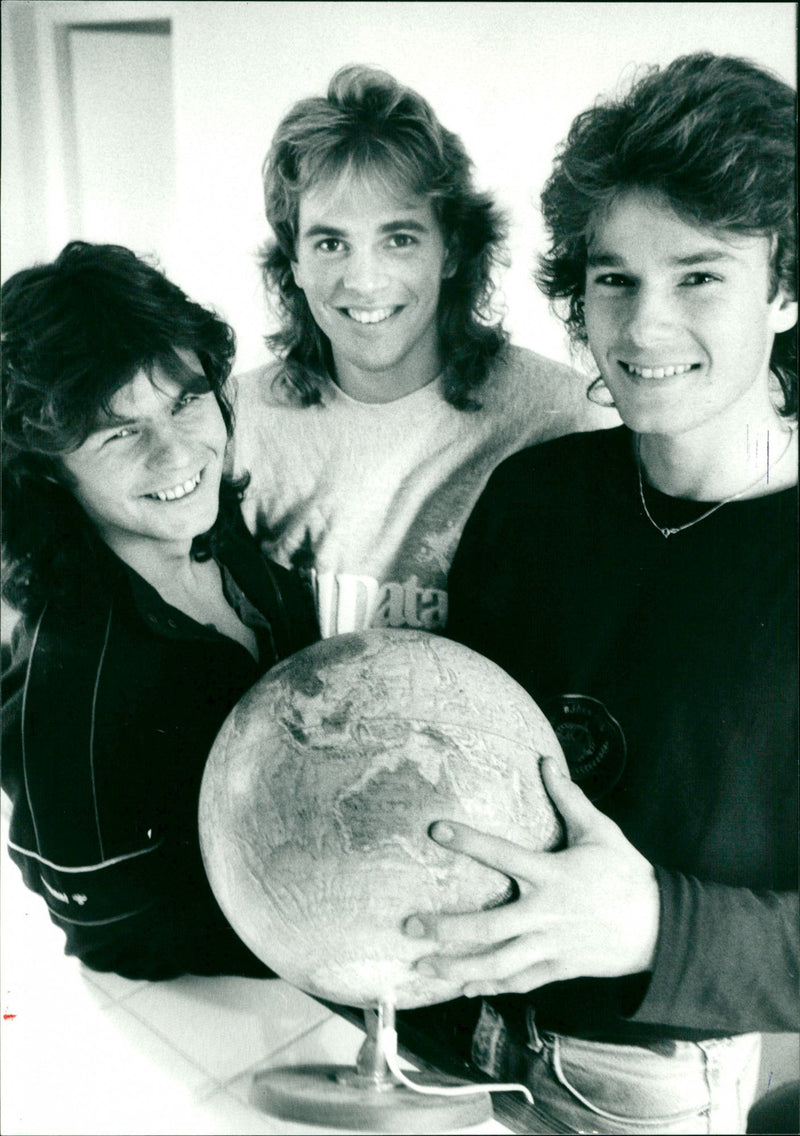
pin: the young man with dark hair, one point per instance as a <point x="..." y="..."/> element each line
<point x="641" y="584"/>
<point x="147" y="609"/>
<point x="396" y="393"/>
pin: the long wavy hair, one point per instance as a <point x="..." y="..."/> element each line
<point x="370" y="127"/>
<point x="73" y="333"/>
<point x="715" y="136"/>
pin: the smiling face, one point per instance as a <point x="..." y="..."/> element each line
<point x="150" y="475"/>
<point x="371" y="266"/>
<point x="678" y="318"/>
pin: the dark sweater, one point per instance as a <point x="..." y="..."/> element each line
<point x="685" y="650"/>
<point x="111" y="705"/>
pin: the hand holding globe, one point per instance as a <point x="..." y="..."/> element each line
<point x="589" y="909"/>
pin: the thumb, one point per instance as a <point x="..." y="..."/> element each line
<point x="582" y="820"/>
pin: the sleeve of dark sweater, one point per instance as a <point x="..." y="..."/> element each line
<point x="727" y="958"/>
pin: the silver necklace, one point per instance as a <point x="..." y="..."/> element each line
<point x="666" y="531"/>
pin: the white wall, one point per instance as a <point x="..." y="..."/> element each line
<point x="509" y="77"/>
<point x="124" y="135"/>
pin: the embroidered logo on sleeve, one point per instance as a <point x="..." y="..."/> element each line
<point x="62" y="897"/>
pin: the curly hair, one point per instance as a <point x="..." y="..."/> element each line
<point x="74" y="332"/>
<point x="371" y="126"/>
<point x="715" y="136"/>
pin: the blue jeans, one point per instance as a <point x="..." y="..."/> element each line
<point x="598" y="1087"/>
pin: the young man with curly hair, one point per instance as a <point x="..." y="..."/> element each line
<point x="641" y="584"/>
<point x="396" y="393"/>
<point x="146" y="607"/>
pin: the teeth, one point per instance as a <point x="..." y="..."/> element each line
<point x="658" y="372"/>
<point x="178" y="491"/>
<point x="361" y="315"/>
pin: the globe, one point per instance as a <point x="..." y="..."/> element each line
<point x="319" y="792"/>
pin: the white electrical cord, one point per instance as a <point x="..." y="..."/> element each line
<point x="387" y="1043"/>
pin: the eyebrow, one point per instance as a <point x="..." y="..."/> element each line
<point x="401" y="225"/>
<point x="704" y="256"/>
<point x="193" y="382"/>
<point x="106" y="422"/>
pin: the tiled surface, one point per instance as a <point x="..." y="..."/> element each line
<point x="225" y="1025"/>
<point x="87" y="1054"/>
<point x="114" y="986"/>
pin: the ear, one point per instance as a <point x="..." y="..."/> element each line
<point x="783" y="312"/>
<point x="450" y="266"/>
<point x="297" y="275"/>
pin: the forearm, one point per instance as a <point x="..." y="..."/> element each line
<point x="726" y="959"/>
<point x="150" y="916"/>
<point x="164" y="942"/>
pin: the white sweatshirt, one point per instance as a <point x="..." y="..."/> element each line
<point x="372" y="497"/>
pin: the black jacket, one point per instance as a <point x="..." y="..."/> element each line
<point x="110" y="707"/>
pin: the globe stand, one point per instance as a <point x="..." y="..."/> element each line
<point x="368" y="1096"/>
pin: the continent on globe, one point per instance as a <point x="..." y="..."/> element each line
<point x="321" y="787"/>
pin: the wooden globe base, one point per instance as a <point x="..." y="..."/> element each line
<point x="337" y="1096"/>
<point x="367" y="1096"/>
